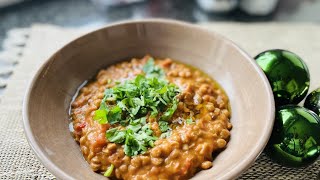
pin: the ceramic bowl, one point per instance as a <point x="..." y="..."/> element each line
<point x="50" y="92"/>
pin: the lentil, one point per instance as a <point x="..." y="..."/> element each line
<point x="206" y="165"/>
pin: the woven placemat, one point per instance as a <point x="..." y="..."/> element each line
<point x="37" y="43"/>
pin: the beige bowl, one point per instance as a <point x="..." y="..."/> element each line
<point x="48" y="97"/>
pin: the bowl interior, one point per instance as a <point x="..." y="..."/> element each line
<point x="47" y="101"/>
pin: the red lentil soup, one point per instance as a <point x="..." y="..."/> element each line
<point x="151" y="119"/>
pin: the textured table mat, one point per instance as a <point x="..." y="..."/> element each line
<point x="30" y="47"/>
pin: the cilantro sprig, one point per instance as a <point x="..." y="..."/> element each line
<point x="151" y="70"/>
<point x="136" y="137"/>
<point x="131" y="102"/>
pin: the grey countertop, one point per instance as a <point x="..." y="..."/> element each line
<point x="77" y="13"/>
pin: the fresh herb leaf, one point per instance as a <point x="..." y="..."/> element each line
<point x="190" y="121"/>
<point x="169" y="112"/>
<point x="109" y="171"/>
<point x="145" y="137"/>
<point x="165" y="129"/>
<point x="151" y="70"/>
<point x="131" y="146"/>
<point x="108" y="93"/>
<point x="115" y="135"/>
<point x="149" y="66"/>
<point x="136" y="138"/>
<point x="100" y="115"/>
<point x="164" y="126"/>
<point x="134" y="128"/>
<point x="114" y="115"/>
<point x="165" y="135"/>
<point x="141" y="121"/>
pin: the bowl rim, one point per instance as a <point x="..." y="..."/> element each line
<point x="245" y="164"/>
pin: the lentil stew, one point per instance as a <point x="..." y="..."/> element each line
<point x="151" y="119"/>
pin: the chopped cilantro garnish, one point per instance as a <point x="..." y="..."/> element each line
<point x="166" y="134"/>
<point x="164" y="126"/>
<point x="109" y="171"/>
<point x="151" y="70"/>
<point x="169" y="112"/>
<point x="114" y="115"/>
<point x="136" y="137"/>
<point x="131" y="102"/>
<point x="165" y="129"/>
<point x="101" y="116"/>
<point x="189" y="121"/>
<point x="115" y="135"/>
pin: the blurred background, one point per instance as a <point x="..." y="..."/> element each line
<point x="79" y="13"/>
<point x="96" y="13"/>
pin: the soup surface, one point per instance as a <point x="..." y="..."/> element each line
<point x="150" y="119"/>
